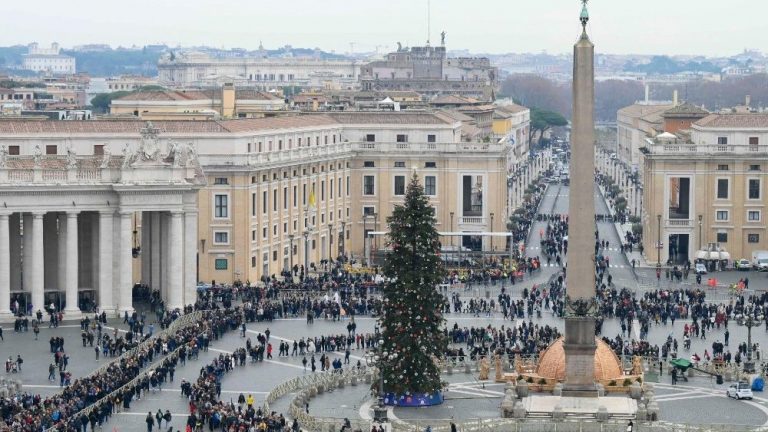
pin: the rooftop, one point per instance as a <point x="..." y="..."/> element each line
<point x="740" y="121"/>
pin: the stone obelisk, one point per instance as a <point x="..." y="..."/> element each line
<point x="581" y="307"/>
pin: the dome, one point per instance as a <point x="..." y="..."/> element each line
<point x="552" y="362"/>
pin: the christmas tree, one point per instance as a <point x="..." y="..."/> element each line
<point x="412" y="319"/>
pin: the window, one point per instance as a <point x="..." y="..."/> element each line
<point x="221" y="237"/>
<point x="722" y="167"/>
<point x="754" y="143"/>
<point x="399" y="164"/>
<point x="368" y="185"/>
<point x="722" y="140"/>
<point x="721" y="215"/>
<point x="322" y="190"/>
<point x="753" y="215"/>
<point x="264" y="233"/>
<point x="221" y="181"/>
<point x="431" y="138"/>
<point x="51" y="149"/>
<point x="369" y="210"/>
<point x="98" y="149"/>
<point x="722" y="188"/>
<point x="253" y="261"/>
<point x="430" y="164"/>
<point x="220" y="264"/>
<point x="274" y="199"/>
<point x="722" y="237"/>
<point x="285" y="198"/>
<point x="402" y="138"/>
<point x="274" y="255"/>
<point x="369" y="164"/>
<point x="754" y="189"/>
<point x="753" y="238"/>
<point x="253" y="235"/>
<point x="264" y="202"/>
<point x="399" y="185"/>
<point x="754" y="167"/>
<point x="13" y="150"/>
<point x="430" y="185"/>
<point x="221" y="206"/>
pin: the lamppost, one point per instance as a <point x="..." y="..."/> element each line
<point x="330" y="243"/>
<point x="375" y="228"/>
<point x="658" y="241"/>
<point x="491" y="232"/>
<point x="306" y="252"/>
<point x="290" y="251"/>
<point x="342" y="238"/>
<point x="372" y="358"/>
<point x="700" y="218"/>
<point x="751" y="320"/>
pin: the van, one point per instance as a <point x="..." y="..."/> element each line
<point x="760" y="260"/>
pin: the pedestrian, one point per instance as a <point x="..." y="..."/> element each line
<point x="167" y="417"/>
<point x="674" y="376"/>
<point x="19" y="361"/>
<point x="150" y="420"/>
<point x="97" y="353"/>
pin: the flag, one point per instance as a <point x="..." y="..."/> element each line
<point x="312" y="199"/>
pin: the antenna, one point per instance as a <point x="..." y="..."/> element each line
<point x="429" y="20"/>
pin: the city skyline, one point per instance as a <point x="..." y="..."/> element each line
<point x="364" y="27"/>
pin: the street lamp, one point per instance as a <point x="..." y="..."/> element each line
<point x="700" y="217"/>
<point x="491" y="232"/>
<point x="749" y="321"/>
<point x="342" y="238"/>
<point x="306" y="252"/>
<point x="330" y="244"/>
<point x="290" y="252"/>
<point x="658" y="241"/>
<point x="372" y="358"/>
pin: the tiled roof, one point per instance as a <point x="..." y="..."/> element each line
<point x="685" y="110"/>
<point x="453" y="99"/>
<point x="165" y="95"/>
<point x="280" y="122"/>
<point x="251" y="94"/>
<point x="23" y="127"/>
<point x="388" y="118"/>
<point x="511" y="108"/>
<point x="641" y="110"/>
<point x="743" y="121"/>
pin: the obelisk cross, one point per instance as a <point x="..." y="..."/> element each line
<point x="584" y="18"/>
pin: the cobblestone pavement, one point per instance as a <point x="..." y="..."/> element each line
<point x="700" y="401"/>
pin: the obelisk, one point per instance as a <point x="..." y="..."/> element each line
<point x="581" y="307"/>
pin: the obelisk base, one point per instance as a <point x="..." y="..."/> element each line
<point x="579" y="347"/>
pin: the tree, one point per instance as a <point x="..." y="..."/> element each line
<point x="412" y="319"/>
<point x="542" y="120"/>
<point x="102" y="101"/>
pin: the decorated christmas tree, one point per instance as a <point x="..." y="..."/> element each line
<point x="412" y="319"/>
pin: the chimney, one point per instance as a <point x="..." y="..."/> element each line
<point x="228" y="100"/>
<point x="747" y="101"/>
<point x="674" y="98"/>
<point x="647" y="93"/>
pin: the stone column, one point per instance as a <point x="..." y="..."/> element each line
<point x="146" y="253"/>
<point x="15" y="250"/>
<point x="106" y="235"/>
<point x="51" y="242"/>
<point x="72" y="270"/>
<point x="579" y="344"/>
<point x="26" y="271"/>
<point x="38" y="262"/>
<point x="163" y="251"/>
<point x="175" y="262"/>
<point x="5" y="268"/>
<point x="125" y="266"/>
<point x="154" y="247"/>
<point x="190" y="256"/>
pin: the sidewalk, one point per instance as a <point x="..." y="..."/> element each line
<point x="622" y="230"/>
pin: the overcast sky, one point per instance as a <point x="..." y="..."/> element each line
<point x="711" y="27"/>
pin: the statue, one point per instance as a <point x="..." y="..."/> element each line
<point x="127" y="155"/>
<point x="637" y="365"/>
<point x="485" y="368"/>
<point x="442" y="38"/>
<point x="37" y="155"/>
<point x="71" y="158"/>
<point x="149" y="149"/>
<point x="180" y="153"/>
<point x="399" y="47"/>
<point x="105" y="157"/>
<point x="499" y="369"/>
<point x="3" y="155"/>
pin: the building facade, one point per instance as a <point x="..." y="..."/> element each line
<point x="267" y="194"/>
<point x="191" y="69"/>
<point x="48" y="60"/>
<point x="707" y="187"/>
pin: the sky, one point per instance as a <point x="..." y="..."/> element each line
<point x="708" y="27"/>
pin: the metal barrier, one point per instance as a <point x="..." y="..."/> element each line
<point x="182" y="321"/>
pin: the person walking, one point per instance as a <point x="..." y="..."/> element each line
<point x="150" y="420"/>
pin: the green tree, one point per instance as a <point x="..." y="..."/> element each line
<point x="412" y="319"/>
<point x="102" y="101"/>
<point x="542" y="120"/>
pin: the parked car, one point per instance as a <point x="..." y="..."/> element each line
<point x="701" y="268"/>
<point x="760" y="260"/>
<point x="740" y="390"/>
<point x="743" y="264"/>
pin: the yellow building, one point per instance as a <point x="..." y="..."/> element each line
<point x="706" y="186"/>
